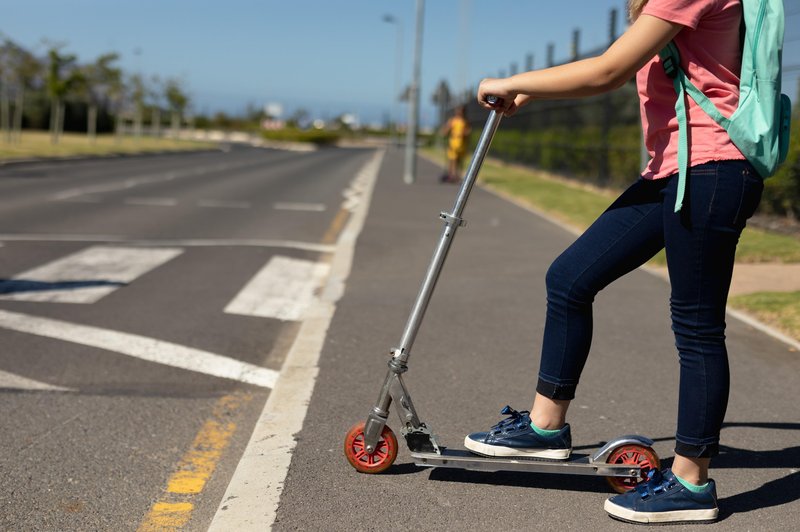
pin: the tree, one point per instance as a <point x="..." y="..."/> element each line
<point x="5" y="111"/>
<point x="154" y="96"/>
<point x="138" y="97"/>
<point x="300" y="118"/>
<point x="443" y="99"/>
<point x="101" y="80"/>
<point x="177" y="100"/>
<point x="27" y="70"/>
<point x="62" y="78"/>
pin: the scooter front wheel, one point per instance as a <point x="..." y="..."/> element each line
<point x="377" y="461"/>
<point x="632" y="454"/>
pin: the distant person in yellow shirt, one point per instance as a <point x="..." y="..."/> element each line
<point x="457" y="128"/>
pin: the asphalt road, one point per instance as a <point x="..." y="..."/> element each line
<point x="105" y="261"/>
<point x="478" y="351"/>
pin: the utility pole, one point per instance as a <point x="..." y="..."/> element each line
<point x="398" y="74"/>
<point x="413" y="112"/>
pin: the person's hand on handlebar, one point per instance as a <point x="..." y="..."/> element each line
<point x="508" y="101"/>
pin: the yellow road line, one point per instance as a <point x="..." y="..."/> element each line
<point x="332" y="234"/>
<point x="173" y="509"/>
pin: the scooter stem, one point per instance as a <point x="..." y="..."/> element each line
<point x="417" y="435"/>
<point x="452" y="220"/>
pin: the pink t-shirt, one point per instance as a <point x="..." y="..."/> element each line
<point x="711" y="58"/>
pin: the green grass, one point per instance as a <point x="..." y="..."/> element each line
<point x="777" y="309"/>
<point x="35" y="144"/>
<point x="570" y="203"/>
<point x="579" y="205"/>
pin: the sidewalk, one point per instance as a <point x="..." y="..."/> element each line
<point x="478" y="350"/>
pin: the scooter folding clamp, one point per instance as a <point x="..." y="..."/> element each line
<point x="452" y="220"/>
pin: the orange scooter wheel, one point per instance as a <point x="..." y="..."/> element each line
<point x="378" y="460"/>
<point x="632" y="454"/>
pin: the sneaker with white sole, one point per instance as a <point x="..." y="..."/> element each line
<point x="663" y="499"/>
<point x="514" y="437"/>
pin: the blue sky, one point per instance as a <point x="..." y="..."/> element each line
<point x="329" y="57"/>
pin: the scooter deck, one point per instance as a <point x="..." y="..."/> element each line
<point x="576" y="464"/>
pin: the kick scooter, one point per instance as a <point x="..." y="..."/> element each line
<point x="371" y="446"/>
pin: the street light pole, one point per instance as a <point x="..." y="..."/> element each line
<point x="397" y="75"/>
<point x="409" y="175"/>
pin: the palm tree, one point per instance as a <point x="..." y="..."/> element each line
<point x="62" y="77"/>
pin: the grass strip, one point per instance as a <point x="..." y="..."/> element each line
<point x="37" y="144"/>
<point x="780" y="310"/>
<point x="579" y="205"/>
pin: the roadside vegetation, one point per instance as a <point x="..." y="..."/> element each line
<point x="778" y="309"/>
<point x="577" y="205"/>
<point x="37" y="144"/>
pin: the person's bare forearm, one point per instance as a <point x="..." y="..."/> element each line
<point x="587" y="77"/>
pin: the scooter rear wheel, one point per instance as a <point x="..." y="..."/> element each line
<point x="632" y="454"/>
<point x="377" y="461"/>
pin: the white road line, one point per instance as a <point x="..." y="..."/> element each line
<point x="132" y="182"/>
<point x="141" y="347"/>
<point x="10" y="381"/>
<point x="152" y="202"/>
<point x="308" y="207"/>
<point x="83" y="199"/>
<point x="85" y="276"/>
<point x="223" y="204"/>
<point x="194" y="242"/>
<point x="283" y="289"/>
<point x="251" y="500"/>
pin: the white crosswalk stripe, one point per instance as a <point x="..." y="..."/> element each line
<point x="284" y="289"/>
<point x="85" y="276"/>
<point x="141" y="347"/>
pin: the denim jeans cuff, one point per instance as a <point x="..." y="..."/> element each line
<point x="688" y="450"/>
<point x="556" y="391"/>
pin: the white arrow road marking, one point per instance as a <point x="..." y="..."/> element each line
<point x="85" y="276"/>
<point x="18" y="382"/>
<point x="283" y="289"/>
<point x="141" y="347"/>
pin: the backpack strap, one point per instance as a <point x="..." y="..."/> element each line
<point x="671" y="60"/>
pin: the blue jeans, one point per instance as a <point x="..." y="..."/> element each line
<point x="700" y="244"/>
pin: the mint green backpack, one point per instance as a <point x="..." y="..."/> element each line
<point x="760" y="125"/>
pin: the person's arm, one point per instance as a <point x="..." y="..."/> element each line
<point x="445" y="129"/>
<point x="588" y="77"/>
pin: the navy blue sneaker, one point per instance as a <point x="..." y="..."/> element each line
<point x="663" y="499"/>
<point x="514" y="437"/>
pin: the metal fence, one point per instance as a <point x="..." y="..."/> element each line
<point x="596" y="139"/>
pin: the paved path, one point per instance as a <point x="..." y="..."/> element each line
<point x="478" y="350"/>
